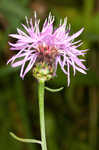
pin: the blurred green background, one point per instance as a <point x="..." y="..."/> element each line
<point x="72" y="114"/>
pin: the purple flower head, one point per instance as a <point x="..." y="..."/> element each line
<point x="48" y="45"/>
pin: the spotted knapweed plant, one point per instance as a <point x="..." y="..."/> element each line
<point x="40" y="51"/>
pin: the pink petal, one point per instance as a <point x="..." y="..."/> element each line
<point x="75" y="35"/>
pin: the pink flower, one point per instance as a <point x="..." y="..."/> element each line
<point x="50" y="45"/>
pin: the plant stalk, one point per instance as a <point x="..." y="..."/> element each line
<point x="41" y="111"/>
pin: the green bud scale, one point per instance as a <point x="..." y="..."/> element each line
<point x="43" y="71"/>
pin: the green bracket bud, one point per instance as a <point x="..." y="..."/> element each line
<point x="43" y="71"/>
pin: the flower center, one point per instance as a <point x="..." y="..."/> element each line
<point x="44" y="67"/>
<point x="47" y="54"/>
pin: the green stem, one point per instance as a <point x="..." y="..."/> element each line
<point x="41" y="109"/>
<point x="25" y="140"/>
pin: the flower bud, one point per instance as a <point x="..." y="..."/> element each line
<point x="43" y="71"/>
